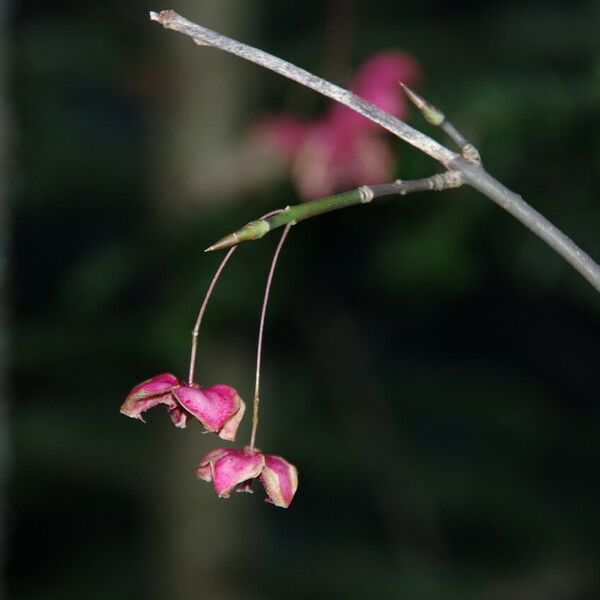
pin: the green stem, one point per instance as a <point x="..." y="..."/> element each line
<point x="362" y="195"/>
<point x="301" y="212"/>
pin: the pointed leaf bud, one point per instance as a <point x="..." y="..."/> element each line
<point x="430" y="113"/>
<point x="251" y="231"/>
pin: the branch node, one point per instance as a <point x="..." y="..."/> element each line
<point x="366" y="194"/>
<point x="453" y="179"/>
<point x="470" y="153"/>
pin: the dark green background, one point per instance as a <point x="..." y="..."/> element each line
<point x="430" y="366"/>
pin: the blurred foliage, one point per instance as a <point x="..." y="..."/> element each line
<point x="430" y="366"/>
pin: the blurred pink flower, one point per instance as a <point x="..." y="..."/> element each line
<point x="219" y="408"/>
<point x="233" y="468"/>
<point x="343" y="149"/>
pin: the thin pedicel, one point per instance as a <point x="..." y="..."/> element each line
<point x="209" y="292"/>
<point x="261" y="330"/>
<point x="201" y="313"/>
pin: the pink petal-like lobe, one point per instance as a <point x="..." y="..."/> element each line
<point x="280" y="480"/>
<point x="231" y="425"/>
<point x="178" y="416"/>
<point x="159" y="384"/>
<point x="150" y="393"/>
<point x="204" y="469"/>
<point x="235" y="467"/>
<point x="216" y="407"/>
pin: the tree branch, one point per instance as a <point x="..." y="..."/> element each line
<point x="467" y="165"/>
<point x="362" y="195"/>
<point x="206" y="37"/>
<point x="482" y="181"/>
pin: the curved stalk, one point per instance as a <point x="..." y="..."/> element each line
<point x="196" y="329"/>
<point x="261" y="330"/>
